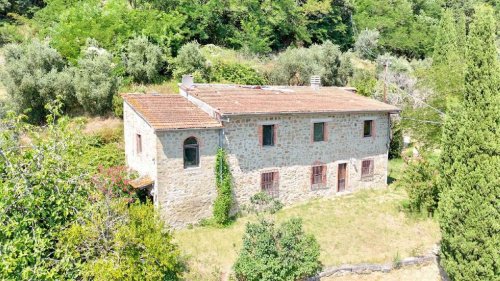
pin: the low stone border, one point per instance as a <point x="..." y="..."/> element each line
<point x="366" y="268"/>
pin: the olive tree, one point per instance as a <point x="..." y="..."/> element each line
<point x="143" y="60"/>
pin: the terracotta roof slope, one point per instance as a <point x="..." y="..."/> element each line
<point x="240" y="100"/>
<point x="170" y="112"/>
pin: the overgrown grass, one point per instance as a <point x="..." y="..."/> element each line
<point x="366" y="226"/>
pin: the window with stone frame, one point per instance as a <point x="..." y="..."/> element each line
<point x="319" y="131"/>
<point x="318" y="177"/>
<point x="268" y="135"/>
<point x="368" y="128"/>
<point x="191" y="153"/>
<point x="269" y="183"/>
<point x="367" y="167"/>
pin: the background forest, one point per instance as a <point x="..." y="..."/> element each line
<point x="66" y="206"/>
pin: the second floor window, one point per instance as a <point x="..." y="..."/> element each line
<point x="138" y="143"/>
<point x="368" y="128"/>
<point x="191" y="153"/>
<point x="268" y="135"/>
<point x="319" y="131"/>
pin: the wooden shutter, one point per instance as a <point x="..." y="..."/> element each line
<point x="323" y="175"/>
<point x="260" y="134"/>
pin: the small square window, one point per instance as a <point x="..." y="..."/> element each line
<point x="319" y="131"/>
<point x="368" y="128"/>
<point x="138" y="143"/>
<point x="269" y="183"/>
<point x="367" y="169"/>
<point x="268" y="135"/>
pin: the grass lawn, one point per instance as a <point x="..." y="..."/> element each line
<point x="366" y="226"/>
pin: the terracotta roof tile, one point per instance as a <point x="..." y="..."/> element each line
<point x="169" y="112"/>
<point x="241" y="100"/>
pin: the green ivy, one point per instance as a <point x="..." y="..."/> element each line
<point x="223" y="181"/>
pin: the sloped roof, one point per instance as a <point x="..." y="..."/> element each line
<point x="169" y="112"/>
<point x="242" y="100"/>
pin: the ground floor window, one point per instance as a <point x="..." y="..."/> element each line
<point x="318" y="177"/>
<point x="367" y="169"/>
<point x="269" y="183"/>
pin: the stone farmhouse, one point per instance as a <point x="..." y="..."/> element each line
<point x="294" y="143"/>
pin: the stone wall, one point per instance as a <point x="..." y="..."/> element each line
<point x="144" y="162"/>
<point x="186" y="195"/>
<point x="295" y="153"/>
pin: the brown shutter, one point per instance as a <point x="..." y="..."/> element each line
<point x="323" y="175"/>
<point x="325" y="131"/>
<point x="260" y="134"/>
<point x="275" y="135"/>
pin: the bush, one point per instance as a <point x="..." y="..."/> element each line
<point x="277" y="253"/>
<point x="95" y="81"/>
<point x="236" y="73"/>
<point x="396" y="145"/>
<point x="35" y="75"/>
<point x="420" y="182"/>
<point x="224" y="200"/>
<point x="190" y="60"/>
<point x="143" y="60"/>
<point x="117" y="241"/>
<point x="367" y="44"/>
<point x="365" y="82"/>
<point x="263" y="203"/>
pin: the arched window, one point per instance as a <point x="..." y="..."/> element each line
<point x="191" y="153"/>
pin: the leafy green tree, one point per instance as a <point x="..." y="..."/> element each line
<point x="277" y="253"/>
<point x="190" y="60"/>
<point x="235" y="73"/>
<point x="34" y="75"/>
<point x="295" y="66"/>
<point x="470" y="161"/>
<point x="367" y="44"/>
<point x="404" y="25"/>
<point x="111" y="23"/>
<point x="95" y="82"/>
<point x="365" y="81"/>
<point x="143" y="60"/>
<point x="41" y="193"/>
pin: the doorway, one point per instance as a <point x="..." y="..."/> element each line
<point x="342" y="177"/>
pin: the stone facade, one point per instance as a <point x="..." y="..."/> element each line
<point x="186" y="195"/>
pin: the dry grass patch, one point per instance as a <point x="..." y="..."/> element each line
<point x="366" y="226"/>
<point x="429" y="272"/>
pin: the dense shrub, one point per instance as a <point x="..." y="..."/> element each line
<point x="273" y="253"/>
<point x="235" y="73"/>
<point x="35" y="75"/>
<point x="366" y="45"/>
<point x="113" y="240"/>
<point x="223" y="179"/>
<point x="396" y="145"/>
<point x="365" y="81"/>
<point x="261" y="202"/>
<point x="143" y="60"/>
<point x="420" y="181"/>
<point x="95" y="82"/>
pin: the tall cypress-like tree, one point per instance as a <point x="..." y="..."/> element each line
<point x="470" y="163"/>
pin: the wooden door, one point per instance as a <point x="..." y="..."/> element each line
<point x="342" y="177"/>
